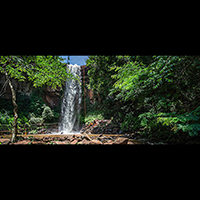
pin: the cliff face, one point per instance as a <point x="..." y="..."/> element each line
<point x="21" y="87"/>
<point x="50" y="96"/>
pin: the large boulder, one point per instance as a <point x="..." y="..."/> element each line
<point x="23" y="142"/>
<point x="86" y="136"/>
<point x="51" y="96"/>
<point x="109" y="142"/>
<point x="84" y="141"/>
<point x="121" y="141"/>
<point x="60" y="142"/>
<point x="23" y="87"/>
<point x="95" y="142"/>
<point x="37" y="142"/>
<point x="4" y="141"/>
<point x="75" y="141"/>
<point x="101" y="126"/>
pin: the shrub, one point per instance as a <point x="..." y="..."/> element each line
<point x="35" y="120"/>
<point x="92" y="115"/>
<point x="4" y="117"/>
<point x="47" y="114"/>
<point x="187" y="122"/>
<point x="37" y="104"/>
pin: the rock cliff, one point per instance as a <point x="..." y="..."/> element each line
<point x="21" y="87"/>
<point x="50" y="96"/>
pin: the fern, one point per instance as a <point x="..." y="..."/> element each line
<point x="184" y="122"/>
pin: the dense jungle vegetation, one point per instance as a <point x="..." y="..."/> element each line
<point x="42" y="71"/>
<point x="157" y="95"/>
<point x="31" y="109"/>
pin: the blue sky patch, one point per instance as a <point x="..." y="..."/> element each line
<point x="79" y="60"/>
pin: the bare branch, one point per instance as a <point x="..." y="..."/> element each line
<point x="5" y="85"/>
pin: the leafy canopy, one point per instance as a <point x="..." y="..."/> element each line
<point x="41" y="70"/>
<point x="155" y="93"/>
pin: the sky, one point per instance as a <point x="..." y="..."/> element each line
<point x="79" y="60"/>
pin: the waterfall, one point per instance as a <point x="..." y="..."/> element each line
<point x="71" y="104"/>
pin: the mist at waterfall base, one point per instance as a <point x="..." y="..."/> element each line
<point x="71" y="104"/>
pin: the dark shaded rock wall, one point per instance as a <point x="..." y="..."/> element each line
<point x="50" y="96"/>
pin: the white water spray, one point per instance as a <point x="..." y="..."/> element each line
<point x="71" y="104"/>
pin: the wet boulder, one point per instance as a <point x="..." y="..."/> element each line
<point x="121" y="141"/>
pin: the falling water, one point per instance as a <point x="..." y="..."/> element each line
<point x="71" y="104"/>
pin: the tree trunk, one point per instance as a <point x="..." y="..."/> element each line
<point x="14" y="134"/>
<point x="84" y="89"/>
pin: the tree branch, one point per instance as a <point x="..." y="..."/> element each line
<point x="5" y="85"/>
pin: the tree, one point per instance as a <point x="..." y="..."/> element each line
<point x="100" y="73"/>
<point x="47" y="114"/>
<point x="162" y="89"/>
<point x="159" y="94"/>
<point x="41" y="70"/>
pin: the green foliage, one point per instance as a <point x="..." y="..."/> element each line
<point x="159" y="94"/>
<point x="47" y="114"/>
<point x="35" y="120"/>
<point x="101" y="73"/>
<point x="56" y="116"/>
<point x="40" y="70"/>
<point x="23" y="102"/>
<point x="92" y="115"/>
<point x="33" y="131"/>
<point x="30" y="109"/>
<point x="149" y="124"/>
<point x="24" y="106"/>
<point x="101" y="80"/>
<point x="92" y="112"/>
<point x="37" y="104"/>
<point x="150" y="88"/>
<point x="6" y="105"/>
<point x="188" y="122"/>
<point x="5" y="118"/>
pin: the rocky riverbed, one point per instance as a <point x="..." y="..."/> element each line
<point x="102" y="127"/>
<point x="100" y="132"/>
<point x="79" y="139"/>
<point x="87" y="139"/>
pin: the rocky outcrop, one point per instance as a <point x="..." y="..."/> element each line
<point x="121" y="141"/>
<point x="24" y="87"/>
<point x="76" y="139"/>
<point x="51" y="96"/>
<point x="4" y="141"/>
<point x="102" y="127"/>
